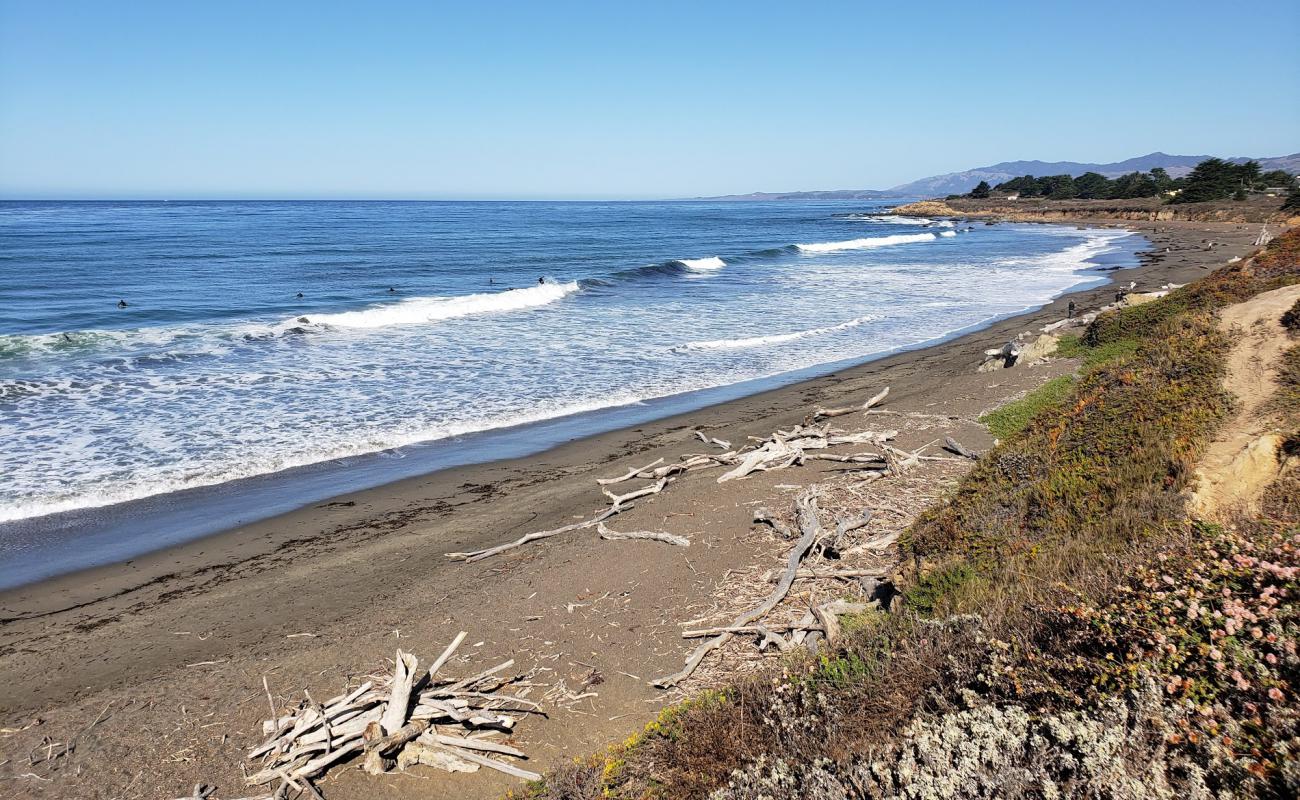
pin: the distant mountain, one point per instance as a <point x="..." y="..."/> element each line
<point x="1177" y="166"/>
<point x="831" y="194"/>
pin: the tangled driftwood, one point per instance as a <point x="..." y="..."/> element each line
<point x="780" y="450"/>
<point x="396" y="720"/>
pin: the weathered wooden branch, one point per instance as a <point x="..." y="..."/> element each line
<point x="655" y="536"/>
<point x="631" y="474"/>
<point x="953" y="446"/>
<point x="645" y="491"/>
<point x="725" y="445"/>
<point x="478" y="555"/>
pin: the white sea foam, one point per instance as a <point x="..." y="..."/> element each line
<point x="776" y="338"/>
<point x="866" y="244"/>
<point x="890" y="219"/>
<point x="947" y="234"/>
<point x="417" y="310"/>
<point x="702" y="264"/>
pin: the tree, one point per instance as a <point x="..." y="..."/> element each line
<point x="1161" y="179"/>
<point x="981" y="190"/>
<point x="1025" y="186"/>
<point x="1134" y="184"/>
<point x="1092" y="186"/>
<point x="1212" y="179"/>
<point x="1276" y="177"/>
<point x="1058" y="187"/>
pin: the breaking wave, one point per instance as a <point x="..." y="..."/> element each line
<point x="702" y="264"/>
<point x="866" y="244"/>
<point x="417" y="310"/>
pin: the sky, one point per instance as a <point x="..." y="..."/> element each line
<point x="611" y="99"/>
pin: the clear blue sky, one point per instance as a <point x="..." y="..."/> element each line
<point x="619" y="99"/>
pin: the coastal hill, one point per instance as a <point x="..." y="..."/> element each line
<point x="962" y="182"/>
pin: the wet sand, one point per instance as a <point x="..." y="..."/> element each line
<point x="172" y="647"/>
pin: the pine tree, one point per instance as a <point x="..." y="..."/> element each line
<point x="981" y="190"/>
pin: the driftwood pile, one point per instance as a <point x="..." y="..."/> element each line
<point x="823" y="620"/>
<point x="406" y="717"/>
<point x="780" y="450"/>
<point x="783" y="449"/>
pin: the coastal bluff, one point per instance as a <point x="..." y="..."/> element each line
<point x="1256" y="210"/>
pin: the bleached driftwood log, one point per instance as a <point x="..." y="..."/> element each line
<point x="953" y="446"/>
<point x="725" y="445"/>
<point x="478" y="555"/>
<point x="654" y="536"/>
<point x="839" y="412"/>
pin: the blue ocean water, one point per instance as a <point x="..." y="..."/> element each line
<point x="424" y="321"/>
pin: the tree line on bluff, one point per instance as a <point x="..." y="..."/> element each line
<point x="1212" y="179"/>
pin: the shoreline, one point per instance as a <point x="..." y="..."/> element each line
<point x="84" y="541"/>
<point x="209" y="618"/>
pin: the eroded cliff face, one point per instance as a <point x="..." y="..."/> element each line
<point x="1254" y="210"/>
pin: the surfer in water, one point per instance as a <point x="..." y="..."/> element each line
<point x="541" y="280"/>
<point x="121" y="304"/>
<point x="299" y="295"/>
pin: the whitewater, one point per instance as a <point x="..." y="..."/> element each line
<point x="259" y="338"/>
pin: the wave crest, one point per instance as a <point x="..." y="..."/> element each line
<point x="417" y="310"/>
<point x="866" y="244"/>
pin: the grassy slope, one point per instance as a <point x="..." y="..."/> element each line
<point x="1048" y="606"/>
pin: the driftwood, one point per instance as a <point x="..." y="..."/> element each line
<point x="645" y="491"/>
<point x="630" y="475"/>
<point x="953" y="446"/>
<point x="828" y="614"/>
<point x="478" y="555"/>
<point x="655" y="536"/>
<point x="383" y="717"/>
<point x="810" y="526"/>
<point x="725" y="445"/>
<point x="839" y="412"/>
<point x="778" y="627"/>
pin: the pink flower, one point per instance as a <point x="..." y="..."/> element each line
<point x="1275" y="694"/>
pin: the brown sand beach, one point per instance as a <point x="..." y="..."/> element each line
<point x="145" y="678"/>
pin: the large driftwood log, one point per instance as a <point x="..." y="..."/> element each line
<point x="400" y="697"/>
<point x="810" y="525"/>
<point x="654" y="536"/>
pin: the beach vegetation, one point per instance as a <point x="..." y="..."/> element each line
<point x="1014" y="416"/>
<point x="1062" y="618"/>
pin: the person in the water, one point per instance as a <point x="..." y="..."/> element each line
<point x="121" y="304"/>
<point x="391" y="290"/>
<point x="541" y="280"/>
<point x="299" y="294"/>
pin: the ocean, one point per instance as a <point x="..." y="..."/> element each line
<point x="263" y="339"/>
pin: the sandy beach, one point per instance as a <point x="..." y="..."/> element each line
<point x="155" y="667"/>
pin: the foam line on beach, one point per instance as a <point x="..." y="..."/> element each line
<point x="776" y="338"/>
